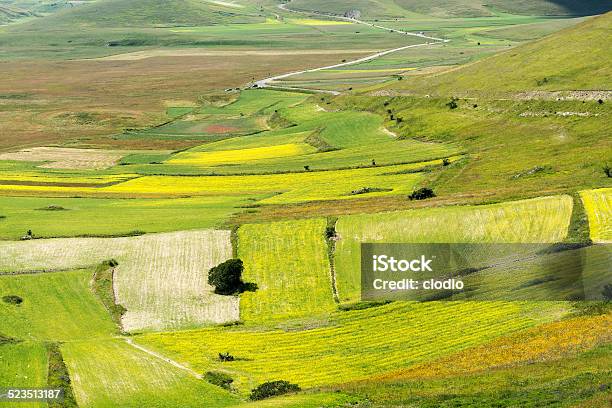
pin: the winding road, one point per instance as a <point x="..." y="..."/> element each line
<point x="268" y="82"/>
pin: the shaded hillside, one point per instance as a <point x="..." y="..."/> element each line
<point x="10" y="13"/>
<point x="572" y="59"/>
<point x="454" y="8"/>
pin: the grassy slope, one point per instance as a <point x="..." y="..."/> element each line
<point x="550" y="153"/>
<point x="23" y="365"/>
<point x="147" y="215"/>
<point x="111" y="373"/>
<point x="569" y="60"/>
<point x="57" y="306"/>
<point x="452" y="8"/>
<point x="288" y="262"/>
<point x="506" y="222"/>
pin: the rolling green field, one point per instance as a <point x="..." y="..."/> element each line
<point x="142" y="145"/>
<point x="564" y="67"/>
<point x="507" y="222"/>
<point x="57" y="306"/>
<point x="134" y="379"/>
<point x="23" y="365"/>
<point x="128" y="215"/>
<point x="348" y="345"/>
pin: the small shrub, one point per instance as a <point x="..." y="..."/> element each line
<point x="227" y="277"/>
<point x="8" y="340"/>
<point x="12" y="300"/>
<point x="53" y="207"/>
<point x="273" y="388"/>
<point x="226" y="357"/>
<point x="307" y="168"/>
<point x="422" y="194"/>
<point x="452" y="104"/>
<point x="607" y="170"/>
<point x="330" y="231"/>
<point x="366" y="190"/>
<point x="219" y="379"/>
<point x="446" y="162"/>
<point x="600" y="101"/>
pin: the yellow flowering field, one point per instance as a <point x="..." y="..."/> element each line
<point x="349" y="345"/>
<point x="598" y="206"/>
<point x="288" y="261"/>
<point x="284" y="188"/>
<point x="546" y="342"/>
<point x="538" y="220"/>
<point x="196" y="158"/>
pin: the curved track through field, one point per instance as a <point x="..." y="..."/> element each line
<point x="268" y="82"/>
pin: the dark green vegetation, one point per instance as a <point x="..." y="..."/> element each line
<point x="59" y="377"/>
<point x="219" y="379"/>
<point x="12" y="300"/>
<point x="272" y="389"/>
<point x="227" y="277"/>
<point x="102" y="285"/>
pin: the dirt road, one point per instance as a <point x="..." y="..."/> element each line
<point x="268" y="82"/>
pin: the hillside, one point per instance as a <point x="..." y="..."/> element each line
<point x="13" y="10"/>
<point x="148" y="13"/>
<point x="9" y="13"/>
<point x="572" y="59"/>
<point x="454" y="8"/>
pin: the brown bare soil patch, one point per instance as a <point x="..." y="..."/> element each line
<point x="42" y="102"/>
<point x="220" y="129"/>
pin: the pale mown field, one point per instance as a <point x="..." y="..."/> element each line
<point x="63" y="158"/>
<point x="161" y="278"/>
<point x="539" y="220"/>
<point x="598" y="206"/>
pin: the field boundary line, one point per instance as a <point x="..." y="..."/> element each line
<point x="163" y="358"/>
<point x="43" y="271"/>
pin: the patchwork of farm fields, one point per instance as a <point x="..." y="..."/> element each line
<point x="144" y="158"/>
<point x="159" y="279"/>
<point x="350" y="345"/>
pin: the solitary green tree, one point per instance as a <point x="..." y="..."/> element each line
<point x="227" y="277"/>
